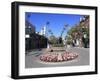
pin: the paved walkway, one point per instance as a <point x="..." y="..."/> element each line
<point x="32" y="60"/>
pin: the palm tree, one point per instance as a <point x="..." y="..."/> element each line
<point x="64" y="28"/>
<point x="50" y="31"/>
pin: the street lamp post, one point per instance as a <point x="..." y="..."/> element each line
<point x="47" y="25"/>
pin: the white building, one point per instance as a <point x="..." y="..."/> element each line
<point x="43" y="31"/>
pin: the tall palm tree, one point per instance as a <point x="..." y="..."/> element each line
<point x="64" y="28"/>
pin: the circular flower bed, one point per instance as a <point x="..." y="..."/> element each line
<point x="58" y="57"/>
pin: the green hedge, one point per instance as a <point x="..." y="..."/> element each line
<point x="57" y="45"/>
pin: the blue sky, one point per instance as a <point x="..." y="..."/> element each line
<point x="57" y="21"/>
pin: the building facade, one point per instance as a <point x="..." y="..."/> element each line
<point x="80" y="33"/>
<point x="32" y="39"/>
